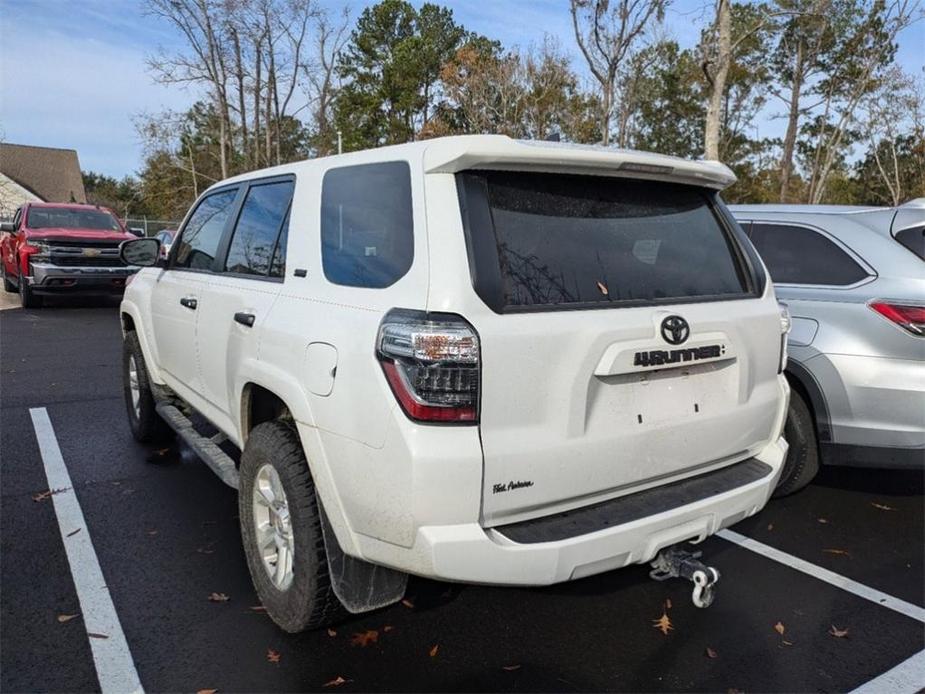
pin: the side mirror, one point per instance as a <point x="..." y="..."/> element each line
<point x="137" y="231"/>
<point x="7" y="226"/>
<point x="142" y="252"/>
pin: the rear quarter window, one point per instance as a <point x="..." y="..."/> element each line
<point x="541" y="240"/>
<point x="367" y="228"/>
<point x="913" y="239"/>
<point x="800" y="255"/>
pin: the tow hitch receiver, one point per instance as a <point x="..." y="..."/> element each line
<point x="673" y="562"/>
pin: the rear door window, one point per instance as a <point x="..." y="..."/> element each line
<point x="367" y="229"/>
<point x="799" y="255"/>
<point x="554" y="240"/>
<point x="259" y="226"/>
<point x="199" y="242"/>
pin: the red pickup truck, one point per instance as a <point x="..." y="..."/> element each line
<point x="52" y="248"/>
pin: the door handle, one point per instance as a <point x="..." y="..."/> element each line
<point x="245" y="319"/>
<point x="189" y="302"/>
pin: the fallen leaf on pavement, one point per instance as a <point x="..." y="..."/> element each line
<point x="668" y="603"/>
<point x="336" y="682"/>
<point x="152" y="533"/>
<point x="332" y="633"/>
<point x="62" y="618"/>
<point x="602" y="288"/>
<point x="711" y="653"/>
<point x="387" y="628"/>
<point x="840" y="552"/>
<point x="785" y="642"/>
<point x="882" y="507"/>
<point x="823" y="520"/>
<point x="48" y="493"/>
<point x="770" y="527"/>
<point x="96" y="636"/>
<point x="272" y="656"/>
<point x="433" y="651"/>
<point x="838" y="633"/>
<point x="365" y="638"/>
<point x="663" y="623"/>
<point x="258" y="608"/>
<point x="218" y="597"/>
<point x="203" y="550"/>
<point x="407" y="603"/>
<point x="206" y="691"/>
<point x="780" y="628"/>
<point x="510" y="668"/>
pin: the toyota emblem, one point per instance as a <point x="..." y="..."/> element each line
<point x="675" y="330"/>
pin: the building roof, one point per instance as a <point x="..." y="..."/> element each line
<point x="52" y="174"/>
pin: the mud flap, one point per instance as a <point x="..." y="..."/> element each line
<point x="359" y="585"/>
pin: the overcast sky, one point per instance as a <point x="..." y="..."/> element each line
<point x="72" y="72"/>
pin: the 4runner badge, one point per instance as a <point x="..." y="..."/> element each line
<point x="660" y="357"/>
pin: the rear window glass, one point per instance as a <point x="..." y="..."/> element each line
<point x="914" y="240"/>
<point x="367" y="232"/>
<point x="799" y="255"/>
<point x="561" y="239"/>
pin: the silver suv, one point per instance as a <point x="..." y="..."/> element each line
<point x="854" y="280"/>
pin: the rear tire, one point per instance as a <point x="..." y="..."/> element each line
<point x="802" y="461"/>
<point x="301" y="597"/>
<point x="28" y="298"/>
<point x="143" y="419"/>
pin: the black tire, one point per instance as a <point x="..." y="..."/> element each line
<point x="309" y="601"/>
<point x="28" y="298"/>
<point x="802" y="461"/>
<point x="7" y="285"/>
<point x="145" y="423"/>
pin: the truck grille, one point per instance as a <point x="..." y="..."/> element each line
<point x="85" y="256"/>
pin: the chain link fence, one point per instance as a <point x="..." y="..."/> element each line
<point x="150" y="226"/>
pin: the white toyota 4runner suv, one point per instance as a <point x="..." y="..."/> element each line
<point x="470" y="358"/>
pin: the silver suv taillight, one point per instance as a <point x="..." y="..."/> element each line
<point x="431" y="361"/>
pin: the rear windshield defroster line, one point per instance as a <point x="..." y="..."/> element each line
<point x="543" y="241"/>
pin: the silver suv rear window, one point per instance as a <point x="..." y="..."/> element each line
<point x="556" y="240"/>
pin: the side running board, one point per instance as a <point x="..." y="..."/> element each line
<point x="204" y="447"/>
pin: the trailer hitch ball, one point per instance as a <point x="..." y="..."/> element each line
<point x="674" y="562"/>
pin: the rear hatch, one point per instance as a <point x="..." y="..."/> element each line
<point x="627" y="343"/>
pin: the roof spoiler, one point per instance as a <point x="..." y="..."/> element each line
<point x="452" y="155"/>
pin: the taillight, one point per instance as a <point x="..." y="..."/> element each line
<point x="786" y="323"/>
<point x="910" y="317"/>
<point x="431" y="361"/>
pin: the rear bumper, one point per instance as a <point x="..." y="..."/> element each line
<point x="873" y="402"/>
<point x="471" y="554"/>
<point x="56" y="279"/>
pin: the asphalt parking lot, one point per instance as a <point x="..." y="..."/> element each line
<point x="838" y="605"/>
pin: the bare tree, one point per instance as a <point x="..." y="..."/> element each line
<point x="320" y="73"/>
<point x="606" y="32"/>
<point x="868" y="52"/>
<point x="205" y="62"/>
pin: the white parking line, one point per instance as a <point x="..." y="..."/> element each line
<point x="906" y="678"/>
<point x="859" y="589"/>
<point x="115" y="668"/>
